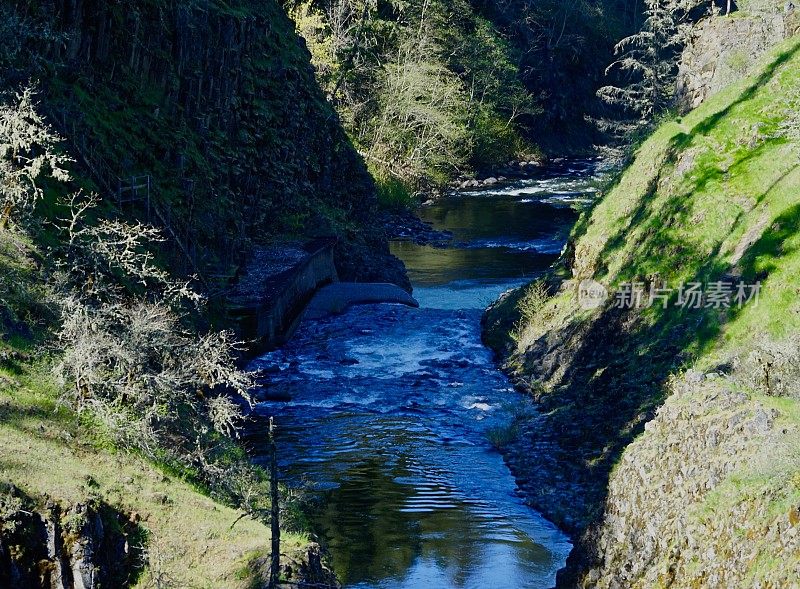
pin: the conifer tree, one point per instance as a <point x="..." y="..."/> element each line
<point x="646" y="67"/>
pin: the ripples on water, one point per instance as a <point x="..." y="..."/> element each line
<point x="392" y="408"/>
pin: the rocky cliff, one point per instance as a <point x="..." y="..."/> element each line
<point x="666" y="477"/>
<point x="87" y="546"/>
<point x="203" y="117"/>
<point x="722" y="51"/>
<point x="678" y="514"/>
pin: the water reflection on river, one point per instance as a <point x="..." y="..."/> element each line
<point x="392" y="407"/>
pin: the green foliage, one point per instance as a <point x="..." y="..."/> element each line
<point x="529" y="305"/>
<point x="426" y="89"/>
<point x="393" y="193"/>
<point x="646" y="67"/>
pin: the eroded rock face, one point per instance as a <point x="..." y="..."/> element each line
<point x="85" y="546"/>
<point x="673" y="517"/>
<point x="724" y="50"/>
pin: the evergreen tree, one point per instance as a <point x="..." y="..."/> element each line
<point x="646" y="67"/>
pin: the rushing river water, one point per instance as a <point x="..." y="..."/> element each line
<point x="392" y="409"/>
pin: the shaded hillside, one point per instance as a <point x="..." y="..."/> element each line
<point x="564" y="49"/>
<point x="217" y="104"/>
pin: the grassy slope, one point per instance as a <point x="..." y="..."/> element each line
<point x="46" y="451"/>
<point x="710" y="196"/>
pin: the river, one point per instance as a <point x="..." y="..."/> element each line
<point x="393" y="410"/>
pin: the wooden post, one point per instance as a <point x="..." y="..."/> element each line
<point x="274" y="569"/>
<point x="148" y="199"/>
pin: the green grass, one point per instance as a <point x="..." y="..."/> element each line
<point x="713" y="195"/>
<point x="48" y="451"/>
<point x="393" y="193"/>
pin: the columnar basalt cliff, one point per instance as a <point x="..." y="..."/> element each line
<point x="86" y="546"/>
<point x="205" y="118"/>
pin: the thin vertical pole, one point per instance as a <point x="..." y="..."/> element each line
<point x="274" y="569"/>
<point x="148" y="200"/>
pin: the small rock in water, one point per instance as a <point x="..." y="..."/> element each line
<point x="491" y="180"/>
<point x="348" y="361"/>
<point x="481" y="406"/>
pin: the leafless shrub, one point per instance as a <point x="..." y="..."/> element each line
<point x="128" y="354"/>
<point x="104" y="258"/>
<point x="158" y="556"/>
<point x="134" y="365"/>
<point x="27" y="150"/>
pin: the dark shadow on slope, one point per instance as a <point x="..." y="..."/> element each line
<point x="678" y="144"/>
<point x="607" y="377"/>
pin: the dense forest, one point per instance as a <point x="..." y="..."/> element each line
<point x="432" y="90"/>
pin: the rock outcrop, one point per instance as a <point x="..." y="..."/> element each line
<point x="723" y="50"/>
<point x="673" y="516"/>
<point x="84" y="546"/>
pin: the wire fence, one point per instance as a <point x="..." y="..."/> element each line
<point x="137" y="194"/>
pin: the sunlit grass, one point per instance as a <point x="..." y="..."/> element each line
<point x="49" y="451"/>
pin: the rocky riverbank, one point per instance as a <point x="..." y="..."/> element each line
<point x="404" y="225"/>
<point x="662" y="442"/>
